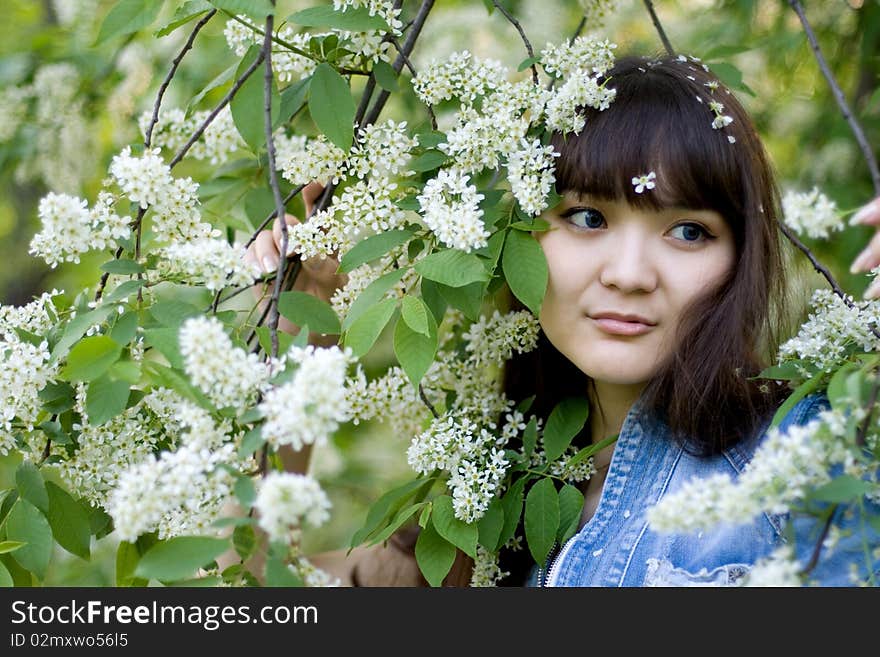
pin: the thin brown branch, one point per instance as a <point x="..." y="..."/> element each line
<point x="217" y="109"/>
<point x="512" y="19"/>
<point x="854" y="124"/>
<point x="427" y="402"/>
<point x="167" y="81"/>
<point x="817" y="549"/>
<point x="656" y="20"/>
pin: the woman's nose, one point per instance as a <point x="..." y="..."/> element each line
<point x="627" y="264"/>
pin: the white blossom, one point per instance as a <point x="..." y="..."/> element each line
<point x="780" y="568"/>
<point x="644" y="181"/>
<point x="287" y="500"/>
<point x="213" y="263"/>
<point x="310" y="407"/>
<point x="174" y="129"/>
<point x="144" y="179"/>
<point x="24" y="371"/>
<point x="811" y="213"/>
<point x="579" y="90"/>
<point x="451" y="209"/>
<point x="530" y="171"/>
<point x="486" y="571"/>
<point x="227" y="374"/>
<point x="584" y="54"/>
<point x="316" y="159"/>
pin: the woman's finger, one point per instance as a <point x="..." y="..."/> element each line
<point x="266" y="252"/>
<point x="276" y="231"/>
<point x="869" y="214"/>
<point x="869" y="257"/>
<point x="310" y="194"/>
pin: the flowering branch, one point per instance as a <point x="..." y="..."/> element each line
<point x="164" y="86"/>
<point x="656" y="20"/>
<point x="839" y="97"/>
<point x="214" y="112"/>
<point x="510" y="17"/>
<point x="273" y="181"/>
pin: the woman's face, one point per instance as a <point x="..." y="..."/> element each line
<point x="607" y="257"/>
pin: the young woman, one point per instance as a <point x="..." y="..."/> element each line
<point x="666" y="297"/>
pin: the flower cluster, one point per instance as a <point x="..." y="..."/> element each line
<point x="174" y="129"/>
<point x="213" y="263"/>
<point x="785" y="467"/>
<point x="530" y="171"/>
<point x="486" y="571"/>
<point x="451" y="209"/>
<point x="181" y="491"/>
<point x="812" y="213"/>
<point x="310" y="407"/>
<point x="286" y="500"/>
<point x="492" y="340"/>
<point x="832" y="331"/>
<point x="457" y="445"/>
<point x="583" y="55"/>
<point x="24" y="370"/>
<point x="227" y="374"/>
<point x="70" y="228"/>
<point x="780" y="568"/>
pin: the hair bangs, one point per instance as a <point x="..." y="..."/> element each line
<point x="655" y="123"/>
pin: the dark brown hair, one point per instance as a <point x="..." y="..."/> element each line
<point x="661" y="120"/>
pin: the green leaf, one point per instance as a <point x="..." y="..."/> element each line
<point x="467" y="298"/>
<point x="536" y="224"/>
<point x="395" y="524"/>
<point x="172" y="313"/>
<point x="248" y="105"/>
<point x="128" y="371"/>
<point x="432" y="298"/>
<point x="530" y="436"/>
<point x="512" y="503"/>
<point x="26" y="524"/>
<point x="571" y="507"/>
<point x="292" y="99"/>
<point x="491" y="524"/>
<point x="302" y="308"/>
<point x="105" y="399"/>
<point x="69" y="521"/>
<point x="31" y="486"/>
<point x="122" y="267"/>
<point x="91" y="357"/>
<point x="373" y="247"/>
<point x="251" y="442"/>
<point x="244" y="540"/>
<point x="785" y="371"/>
<point x="184" y="15"/>
<point x="331" y="105"/>
<point x="353" y="19"/>
<point x="589" y="450"/>
<point x="459" y="533"/>
<point x="127" y="558"/>
<point x="171" y="378"/>
<point x="371" y="296"/>
<point x="416" y="315"/>
<point x="431" y="139"/>
<point x="452" y="267"/>
<point x="255" y="8"/>
<point x="123" y="291"/>
<point x="565" y="421"/>
<point x="279" y="575"/>
<point x="76" y="328"/>
<point x="285" y="340"/>
<point x="415" y="352"/>
<point x="126" y="17"/>
<point x="385" y="506"/>
<point x="731" y="76"/>
<point x="366" y="329"/>
<point x="837" y="386"/>
<point x="221" y="79"/>
<point x="386" y="76"/>
<point x="165" y="341"/>
<point x="429" y="160"/>
<point x="845" y="488"/>
<point x="245" y="491"/>
<point x="529" y="61"/>
<point x="525" y="269"/>
<point x="541" y="518"/>
<point x="800" y="392"/>
<point x="5" y="577"/>
<point x="125" y="328"/>
<point x="10" y="546"/>
<point x="57" y="398"/>
<point x="179" y="557"/>
<point x="434" y="555"/>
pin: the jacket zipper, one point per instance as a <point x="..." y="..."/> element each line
<point x="554" y="566"/>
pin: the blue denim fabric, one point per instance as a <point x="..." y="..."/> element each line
<point x="618" y="548"/>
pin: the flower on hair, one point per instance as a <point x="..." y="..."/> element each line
<point x="721" y="120"/>
<point x="644" y="181"/>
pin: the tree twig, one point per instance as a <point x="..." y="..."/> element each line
<point x="854" y="124"/>
<point x="512" y="19"/>
<point x="656" y="20"/>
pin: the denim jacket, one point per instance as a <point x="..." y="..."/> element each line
<point x="616" y="547"/>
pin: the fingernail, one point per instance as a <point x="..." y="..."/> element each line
<point x="859" y="263"/>
<point x="270" y="264"/>
<point x="863" y="213"/>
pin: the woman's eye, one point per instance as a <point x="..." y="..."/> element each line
<point x="587" y="218"/>
<point x="690" y="232"/>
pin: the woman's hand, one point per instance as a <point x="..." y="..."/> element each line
<point x="869" y="215"/>
<point x="317" y="276"/>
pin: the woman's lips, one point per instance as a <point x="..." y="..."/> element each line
<point x="619" y="327"/>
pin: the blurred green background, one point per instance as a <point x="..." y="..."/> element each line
<point x="757" y="47"/>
